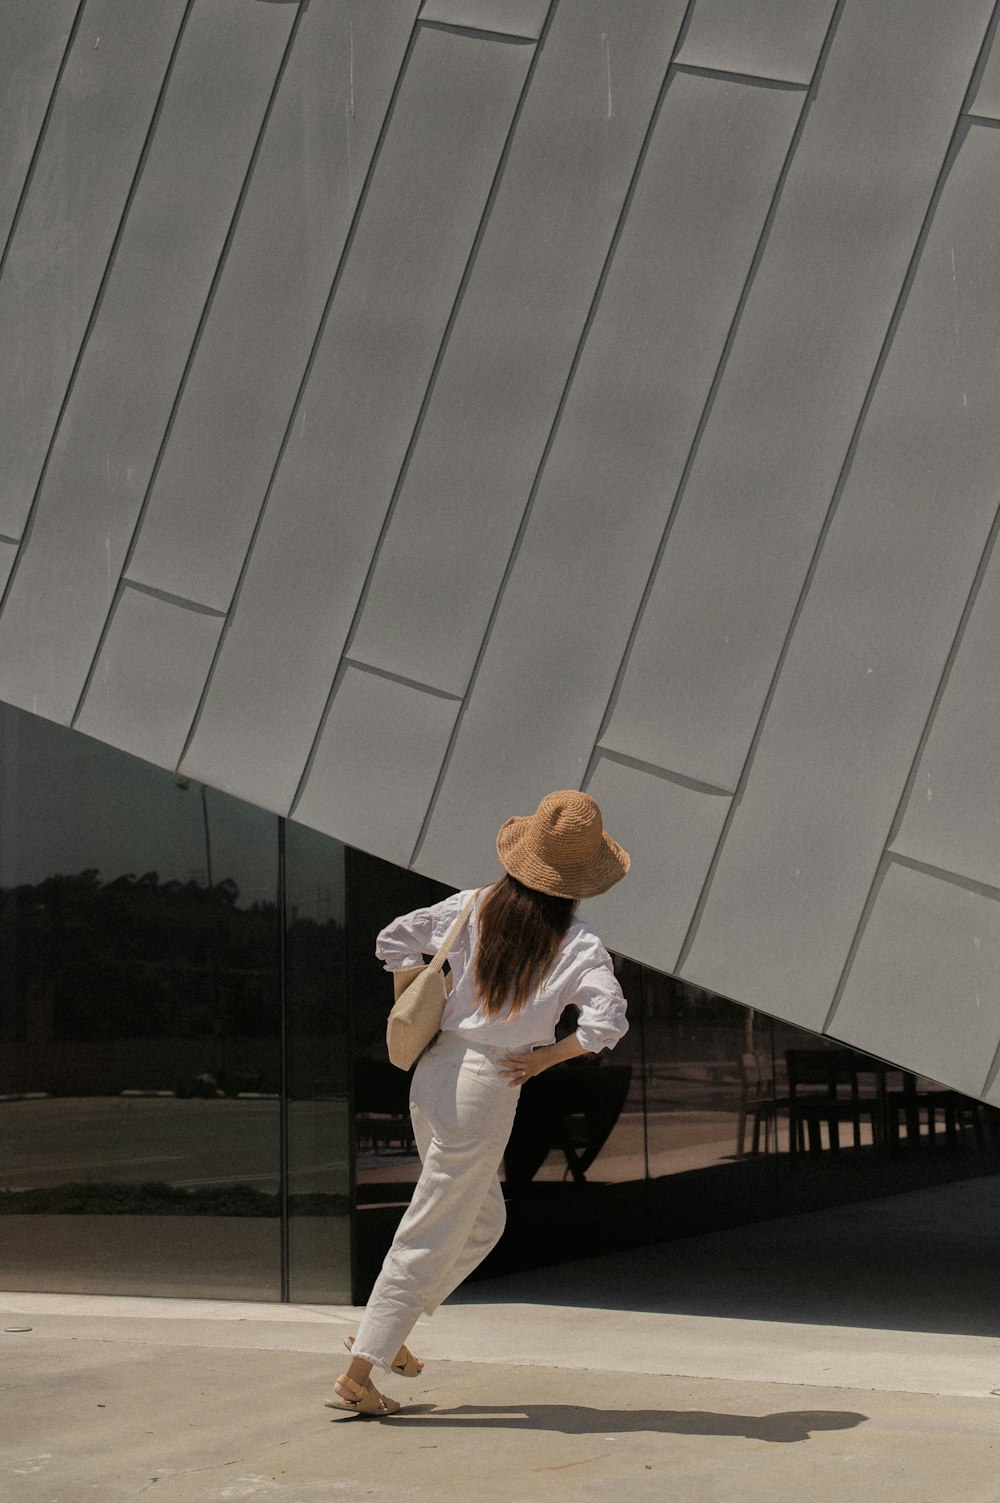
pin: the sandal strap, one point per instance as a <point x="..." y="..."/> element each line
<point x="358" y="1389"/>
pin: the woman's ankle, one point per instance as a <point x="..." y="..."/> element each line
<point x="359" y="1370"/>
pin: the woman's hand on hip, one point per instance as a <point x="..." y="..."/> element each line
<point x="521" y="1067"/>
<point x="517" y="1068"/>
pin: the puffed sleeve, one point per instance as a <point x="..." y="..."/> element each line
<point x="406" y="941"/>
<point x="593" y="988"/>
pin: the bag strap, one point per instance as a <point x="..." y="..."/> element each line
<point x="454" y="932"/>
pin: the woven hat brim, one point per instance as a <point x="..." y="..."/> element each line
<point x="586" y="879"/>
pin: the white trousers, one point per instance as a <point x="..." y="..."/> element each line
<point x="462" y="1110"/>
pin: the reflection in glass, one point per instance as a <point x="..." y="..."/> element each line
<point x="139" y="1129"/>
<point x="386" y="1162"/>
<point x="193" y="1094"/>
<point x="317" y="1071"/>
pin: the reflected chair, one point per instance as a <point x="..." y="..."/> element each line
<point x="573" y="1108"/>
<point x="823" y="1088"/>
<point x="759" y="1101"/>
<point x="958" y="1113"/>
<point x="586" y="1124"/>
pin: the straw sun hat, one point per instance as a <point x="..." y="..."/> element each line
<point x="562" y="849"/>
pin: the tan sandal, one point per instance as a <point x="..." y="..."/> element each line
<point x="367" y="1401"/>
<point x="404" y="1363"/>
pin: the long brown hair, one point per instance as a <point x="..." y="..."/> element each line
<point x="519" y="934"/>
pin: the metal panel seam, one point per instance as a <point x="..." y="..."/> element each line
<point x="486" y="33"/>
<point x="958" y="134"/>
<point x="729" y="75"/>
<point x="706" y="414"/>
<point x="942" y="874"/>
<point x="180" y="601"/>
<point x="398" y="678"/>
<point x="669" y="73"/>
<point x="889" y="856"/>
<point x="123" y="579"/>
<point x="310" y="361"/>
<point x="133" y="188"/>
<point x="42" y="132"/>
<point x="665" y="774"/>
<point x="422" y="412"/>
<point x="992" y="1072"/>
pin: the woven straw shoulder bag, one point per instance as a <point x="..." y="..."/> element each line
<point x="421" y="993"/>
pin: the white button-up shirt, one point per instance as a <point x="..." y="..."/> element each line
<point x="581" y="975"/>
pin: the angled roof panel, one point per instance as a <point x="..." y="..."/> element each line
<point x="541" y="689"/>
<point x="523" y="18"/>
<point x="8" y="553"/>
<point x="59" y="251"/>
<point x="924" y="987"/>
<point x="149" y="676"/>
<point x="357" y="415"/>
<point x="987" y="100"/>
<point x="766" y="38"/>
<point x="875" y="632"/>
<point x="536" y="272"/>
<point x="254" y="349"/>
<point x="34" y="42"/>
<point x="794" y="386"/>
<point x="952" y="817"/>
<point x="670" y="831"/>
<point x="383" y="732"/>
<point x="120" y="403"/>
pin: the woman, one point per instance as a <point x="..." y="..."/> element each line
<point x="521" y="957"/>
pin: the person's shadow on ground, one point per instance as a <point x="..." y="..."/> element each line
<point x="577" y="1419"/>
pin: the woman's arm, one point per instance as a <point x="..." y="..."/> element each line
<point x="404" y="943"/>
<point x="517" y="1068"/>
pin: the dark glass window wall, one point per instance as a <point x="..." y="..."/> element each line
<point x="195" y="1097"/>
<point x="173" y="1073"/>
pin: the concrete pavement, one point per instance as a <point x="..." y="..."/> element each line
<point x="573" y="1383"/>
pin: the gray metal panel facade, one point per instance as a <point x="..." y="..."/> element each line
<point x="254" y="348"/>
<point x="117" y="413"/>
<point x="634" y="418"/>
<point x="59" y="249"/>
<point x="765" y="38"/>
<point x="952" y="815"/>
<point x="356" y="417"/>
<point x="540" y="691"/>
<point x="8" y="553"/>
<point x="670" y="831"/>
<point x="34" y="43"/>
<point x="793" y="387"/>
<point x="485" y="430"/>
<point x="384" y="732"/>
<point x="877" y="624"/>
<point x="149" y="676"/>
<point x="523" y="18"/>
<point x="922" y="990"/>
<point x="987" y="98"/>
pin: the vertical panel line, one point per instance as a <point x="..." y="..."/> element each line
<point x="425" y="404"/>
<point x="303" y="383"/>
<point x="958" y="134"/>
<point x="669" y="74"/>
<point x="992" y="1073"/>
<point x="98" y="301"/>
<point x="914" y="770"/>
<point x="42" y="133"/>
<point x="707" y="409"/>
<point x="285" y="1207"/>
<point x="192" y="353"/>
